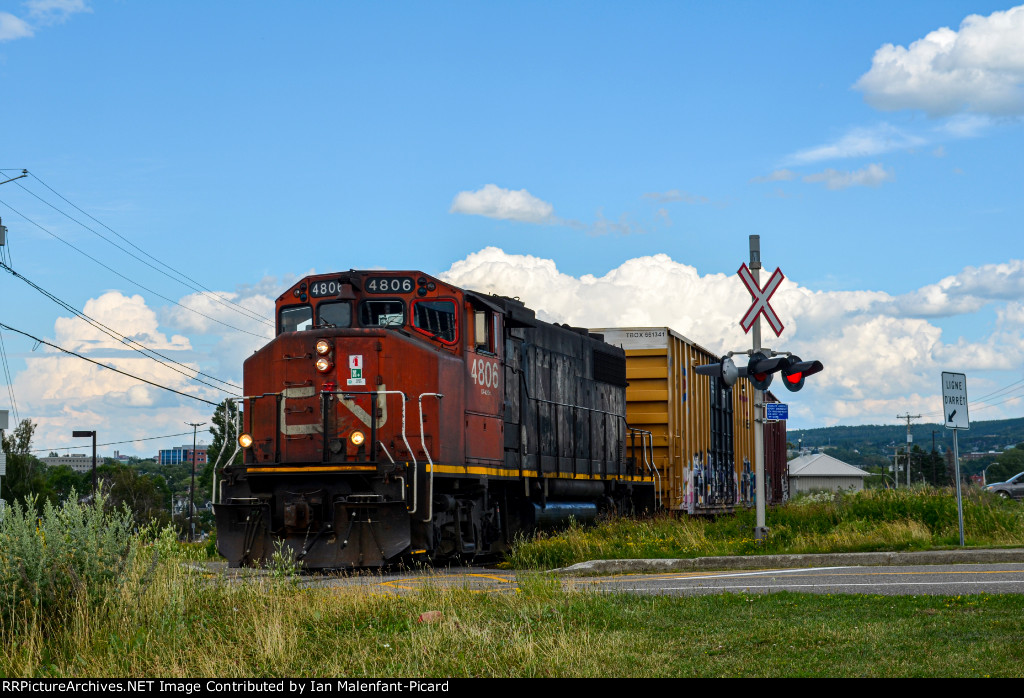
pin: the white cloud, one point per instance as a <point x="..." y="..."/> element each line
<point x="12" y="27"/>
<point x="871" y="176"/>
<point x="55" y="11"/>
<point x="882" y="353"/>
<point x="126" y="315"/>
<point x="859" y="142"/>
<point x="968" y="290"/>
<point x="777" y="176"/>
<point x="495" y="202"/>
<point x="674" y="195"/>
<point x="979" y="68"/>
<point x="62" y="393"/>
<point x="41" y="13"/>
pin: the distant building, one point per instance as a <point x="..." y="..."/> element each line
<point x="79" y="462"/>
<point x="182" y="454"/>
<point x="823" y="472"/>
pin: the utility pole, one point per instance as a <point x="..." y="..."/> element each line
<point x="908" y="417"/>
<point x="3" y="458"/>
<point x="192" y="489"/>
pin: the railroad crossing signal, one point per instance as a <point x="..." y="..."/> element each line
<point x="796" y="371"/>
<point x="761" y="297"/>
<point x="761" y="369"/>
<point x="724" y="370"/>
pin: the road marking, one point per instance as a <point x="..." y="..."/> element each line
<point x="755" y="574"/>
<point x="834" y="586"/>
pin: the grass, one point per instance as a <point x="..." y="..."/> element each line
<point x="916" y="519"/>
<point x="185" y="625"/>
<point x="157" y="617"/>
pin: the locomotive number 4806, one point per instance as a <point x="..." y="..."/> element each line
<point x="485" y="373"/>
<point x="392" y="284"/>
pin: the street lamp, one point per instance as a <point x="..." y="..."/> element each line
<point x="78" y="433"/>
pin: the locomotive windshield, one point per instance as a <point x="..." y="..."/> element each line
<point x="296" y="318"/>
<point x="334" y="314"/>
<point x="382" y="313"/>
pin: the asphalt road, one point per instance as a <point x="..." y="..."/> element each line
<point x="901" y="580"/>
<point x="937" y="572"/>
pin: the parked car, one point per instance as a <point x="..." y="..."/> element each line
<point x="1012" y="488"/>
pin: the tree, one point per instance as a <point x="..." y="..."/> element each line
<point x="146" y="496"/>
<point x="1007" y="464"/>
<point x="61" y="480"/>
<point x="24" y="471"/>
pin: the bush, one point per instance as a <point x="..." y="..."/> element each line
<point x="73" y="549"/>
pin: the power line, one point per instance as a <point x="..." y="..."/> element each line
<point x="112" y="443"/>
<point x="114" y="334"/>
<point x="111" y="368"/>
<point x="178" y="276"/>
<point x="1000" y="390"/>
<point x="10" y="383"/>
<point x="131" y="281"/>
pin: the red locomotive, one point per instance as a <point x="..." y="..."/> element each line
<point x="395" y="416"/>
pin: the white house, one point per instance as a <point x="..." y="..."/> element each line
<point x="821" y="471"/>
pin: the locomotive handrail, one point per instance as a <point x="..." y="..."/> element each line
<point x="238" y="430"/>
<point x="621" y="417"/>
<point x="412" y="454"/>
<point x="423" y="442"/>
<point x="227" y="433"/>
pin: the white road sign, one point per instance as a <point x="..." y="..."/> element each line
<point x="954" y="401"/>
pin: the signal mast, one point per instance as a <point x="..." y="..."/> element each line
<point x="762" y="364"/>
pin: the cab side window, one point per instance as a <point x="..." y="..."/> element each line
<point x="435" y="318"/>
<point x="483" y="340"/>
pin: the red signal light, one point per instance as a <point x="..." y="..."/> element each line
<point x="797" y="370"/>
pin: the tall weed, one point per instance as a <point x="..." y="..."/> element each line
<point x="73" y="550"/>
<point x="907" y="519"/>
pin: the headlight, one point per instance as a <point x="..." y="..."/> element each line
<point x="357" y="438"/>
<point x="323" y="347"/>
<point x="245" y="440"/>
<point x="323" y="364"/>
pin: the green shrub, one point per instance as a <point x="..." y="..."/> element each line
<point x="73" y="549"/>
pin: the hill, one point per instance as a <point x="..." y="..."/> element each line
<point x="873" y="444"/>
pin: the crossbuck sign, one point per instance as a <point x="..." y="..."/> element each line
<point x="761" y="296"/>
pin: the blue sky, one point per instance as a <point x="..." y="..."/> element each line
<point x="605" y="161"/>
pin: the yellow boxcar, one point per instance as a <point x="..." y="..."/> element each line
<point x="700" y="431"/>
